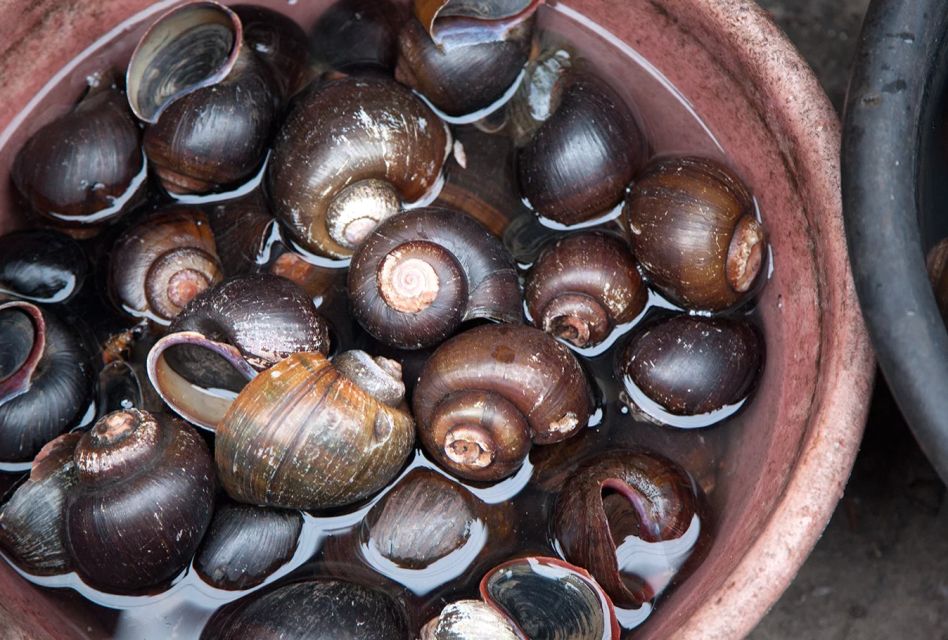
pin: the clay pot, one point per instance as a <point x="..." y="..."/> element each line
<point x="771" y="117"/>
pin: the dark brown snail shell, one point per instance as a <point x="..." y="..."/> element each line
<point x="580" y="161"/>
<point x="46" y="379"/>
<point x="645" y="494"/>
<point x="320" y="608"/>
<point x="548" y="598"/>
<point x="244" y="232"/>
<point x="450" y="22"/>
<point x="422" y="273"/>
<point x="330" y="443"/>
<point x="480" y="179"/>
<point x="41" y="266"/>
<point x="693" y="228"/>
<point x="31" y="521"/>
<point x="245" y="545"/>
<point x="278" y="41"/>
<point x="693" y="365"/>
<point x="159" y="265"/>
<point x="485" y="395"/>
<point x="210" y="102"/>
<point x="144" y="498"/>
<point x="348" y="153"/>
<point x="358" y="36"/>
<point x="86" y="167"/>
<point x="583" y="286"/>
<point x="938" y="274"/>
<point x="125" y="386"/>
<point x="463" y="79"/>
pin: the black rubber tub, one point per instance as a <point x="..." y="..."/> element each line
<point x="895" y="194"/>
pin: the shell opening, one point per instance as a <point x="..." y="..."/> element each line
<point x="190" y="47"/>
<point x="745" y="254"/>
<point x="23" y="333"/>
<point x="469" y="446"/>
<point x="407" y="283"/>
<point x="358" y="209"/>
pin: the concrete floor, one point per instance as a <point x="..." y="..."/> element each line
<point x="881" y="569"/>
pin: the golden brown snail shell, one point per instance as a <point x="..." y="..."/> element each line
<point x="144" y="497"/>
<point x="348" y="153"/>
<point x="327" y="442"/>
<point x="485" y="395"/>
<point x="693" y="227"/>
<point x="422" y="273"/>
<point x="158" y="266"/>
<point x="583" y="286"/>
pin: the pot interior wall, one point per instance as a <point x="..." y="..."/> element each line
<point x="755" y="467"/>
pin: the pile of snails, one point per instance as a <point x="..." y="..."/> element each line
<point x="300" y="248"/>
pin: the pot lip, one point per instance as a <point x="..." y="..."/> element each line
<point x="798" y="110"/>
<point x="889" y="94"/>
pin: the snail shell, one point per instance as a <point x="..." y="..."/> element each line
<point x="487" y="393"/>
<point x="244" y="232"/>
<point x="31" y="522"/>
<point x="245" y="545"/>
<point x="45" y="267"/>
<point x="463" y="79"/>
<point x="583" y="286"/>
<point x="144" y="498"/>
<point x="693" y="365"/>
<point x="325" y="442"/>
<point x="693" y="228"/>
<point x="648" y="488"/>
<point x="358" y="36"/>
<point x="158" y="266"/>
<point x="423" y="272"/>
<point x="317" y="608"/>
<point x="86" y="167"/>
<point x="348" y="153"/>
<point x="211" y="103"/>
<point x="454" y="22"/>
<point x="468" y="620"/>
<point x="580" y="161"/>
<point x="278" y="41"/>
<point x="937" y="264"/>
<point x="46" y="379"/>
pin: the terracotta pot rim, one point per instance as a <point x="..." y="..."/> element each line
<point x="800" y="113"/>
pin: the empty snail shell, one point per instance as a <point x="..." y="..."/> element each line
<point x="692" y="225"/>
<point x="44" y="267"/>
<point x="45" y="379"/>
<point x="252" y="320"/>
<point x="278" y="41"/>
<point x="358" y="36"/>
<point x="618" y="494"/>
<point x="691" y="365"/>
<point x="316" y="608"/>
<point x="452" y="22"/>
<point x="462" y="79"/>
<point x="143" y="500"/>
<point x="329" y="443"/>
<point x="539" y="94"/>
<point x="348" y="153"/>
<point x="487" y="393"/>
<point x="31" y="522"/>
<point x="583" y="286"/>
<point x="580" y="161"/>
<point x="548" y="598"/>
<point x="86" y="167"/>
<point x="159" y="265"/>
<point x="210" y="102"/>
<point x="245" y="544"/>
<point x="422" y="273"/>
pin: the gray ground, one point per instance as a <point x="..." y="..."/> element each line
<point x="881" y="568"/>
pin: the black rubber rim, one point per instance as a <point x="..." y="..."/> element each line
<point x="886" y="111"/>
